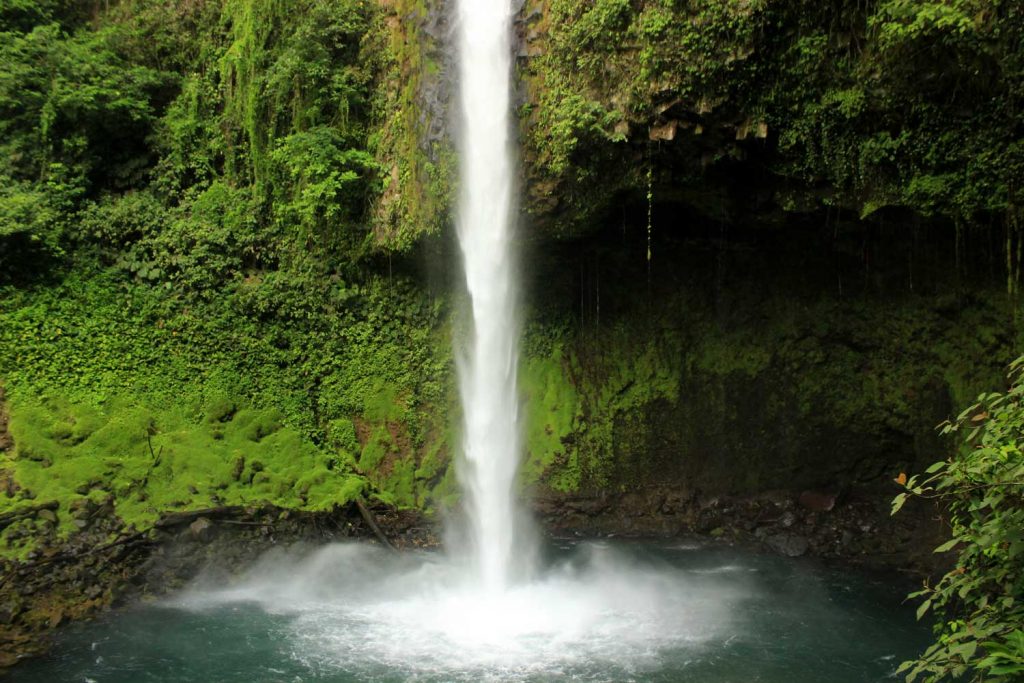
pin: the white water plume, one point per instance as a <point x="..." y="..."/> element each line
<point x="491" y="446"/>
<point x="426" y="616"/>
<point x="597" y="615"/>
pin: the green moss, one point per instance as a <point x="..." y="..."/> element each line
<point x="419" y="177"/>
<point x="576" y="406"/>
<point x="401" y="487"/>
<point x="341" y="437"/>
<point x="723" y="356"/>
<point x="632" y="372"/>
<point x="553" y="409"/>
<point x="377" y="447"/>
<point x="217" y="387"/>
<point x="382" y="403"/>
<point x="693" y="90"/>
<point x="435" y="483"/>
<point x="150" y="460"/>
<point x="763" y="389"/>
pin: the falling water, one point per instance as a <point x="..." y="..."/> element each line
<point x="594" y="613"/>
<point x="488" y="373"/>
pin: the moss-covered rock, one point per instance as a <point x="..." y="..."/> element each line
<point x="746" y="364"/>
<point x="768" y="245"/>
<point x="844" y="104"/>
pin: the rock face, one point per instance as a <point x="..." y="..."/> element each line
<point x="76" y="578"/>
<point x="737" y="361"/>
<point x="726" y="321"/>
<point x="201" y="530"/>
<point x="818" y="501"/>
<point x="790" y="545"/>
<point x="858" y="529"/>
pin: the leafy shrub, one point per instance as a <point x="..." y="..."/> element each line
<point x="325" y="189"/>
<point x="120" y="221"/>
<point x="73" y="100"/>
<point x="980" y="633"/>
<point x="34" y="220"/>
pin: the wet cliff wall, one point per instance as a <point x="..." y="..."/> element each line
<point x="764" y="247"/>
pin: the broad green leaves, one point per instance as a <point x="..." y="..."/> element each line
<point x="979" y="601"/>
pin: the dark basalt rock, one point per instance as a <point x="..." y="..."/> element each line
<point x="76" y="578"/>
<point x="201" y="530"/>
<point x="790" y="545"/>
<point x="818" y="501"/>
<point x="857" y="529"/>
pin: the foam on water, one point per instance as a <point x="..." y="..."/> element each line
<point x="357" y="608"/>
<point x="355" y="612"/>
<point x="487" y="613"/>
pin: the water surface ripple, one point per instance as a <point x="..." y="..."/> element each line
<point x="598" y="612"/>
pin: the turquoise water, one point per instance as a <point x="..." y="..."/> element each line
<point x="599" y="612"/>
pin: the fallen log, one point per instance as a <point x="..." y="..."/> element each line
<point x="189" y="516"/>
<point x="371" y="521"/>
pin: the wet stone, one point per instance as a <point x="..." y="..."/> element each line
<point x="8" y="612"/>
<point x="818" y="501"/>
<point x="790" y="545"/>
<point x="201" y="529"/>
<point x="47" y="515"/>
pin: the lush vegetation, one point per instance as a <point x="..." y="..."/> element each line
<point x="192" y="305"/>
<point x="212" y="215"/>
<point x="858" y="106"/>
<point x="980" y="602"/>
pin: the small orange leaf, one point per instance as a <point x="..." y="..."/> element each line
<point x="980" y="417"/>
<point x="902" y="479"/>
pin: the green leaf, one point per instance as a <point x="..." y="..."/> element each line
<point x="897" y="502"/>
<point x="965" y="650"/>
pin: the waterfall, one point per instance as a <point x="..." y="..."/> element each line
<point x="487" y="373"/>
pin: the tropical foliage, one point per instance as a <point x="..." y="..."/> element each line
<point x="979" y="604"/>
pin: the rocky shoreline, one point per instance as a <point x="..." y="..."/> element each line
<point x="853" y="527"/>
<point x="106" y="566"/>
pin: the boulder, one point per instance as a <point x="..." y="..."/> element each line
<point x="201" y="529"/>
<point x="790" y="545"/>
<point x="818" y="501"/>
<point x="8" y="612"/>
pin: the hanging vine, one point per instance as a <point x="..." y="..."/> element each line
<point x="650" y="211"/>
<point x="1013" y="251"/>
